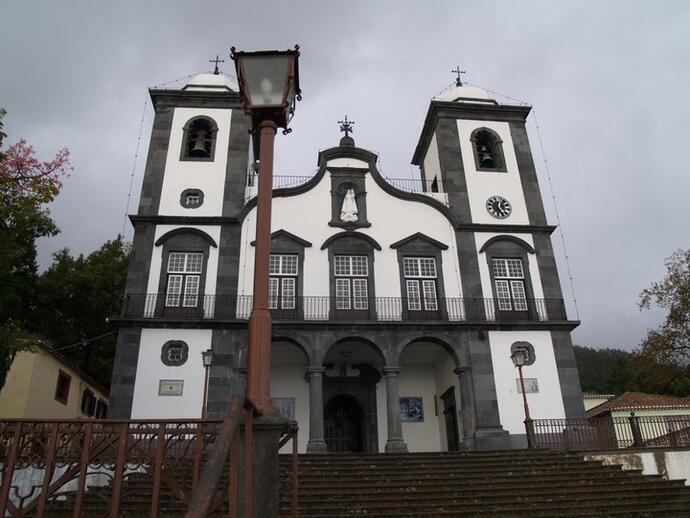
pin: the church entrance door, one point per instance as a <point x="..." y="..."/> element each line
<point x="451" y="417"/>
<point x="344" y="425"/>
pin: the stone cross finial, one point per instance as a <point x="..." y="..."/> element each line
<point x="458" y="81"/>
<point x="216" y="61"/>
<point x="346" y="126"/>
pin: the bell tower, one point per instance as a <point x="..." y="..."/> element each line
<point x="186" y="231"/>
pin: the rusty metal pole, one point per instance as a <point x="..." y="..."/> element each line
<point x="529" y="424"/>
<point x="259" y="350"/>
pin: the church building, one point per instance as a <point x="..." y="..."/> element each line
<point x="396" y="303"/>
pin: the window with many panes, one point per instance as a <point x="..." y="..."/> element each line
<point x="509" y="279"/>
<point x="282" y="284"/>
<point x="420" y="283"/>
<point x="351" y="285"/>
<point x="184" y="279"/>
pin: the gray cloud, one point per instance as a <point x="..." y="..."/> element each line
<point x="608" y="81"/>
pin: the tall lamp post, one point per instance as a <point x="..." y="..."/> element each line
<point x="520" y="357"/>
<point x="207" y="361"/>
<point x="269" y="88"/>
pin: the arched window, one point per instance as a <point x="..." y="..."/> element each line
<point x="199" y="139"/>
<point x="488" y="150"/>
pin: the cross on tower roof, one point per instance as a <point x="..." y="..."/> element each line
<point x="458" y="81"/>
<point x="346" y="126"/>
<point x="216" y="61"/>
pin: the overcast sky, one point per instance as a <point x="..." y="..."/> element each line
<point x="608" y="81"/>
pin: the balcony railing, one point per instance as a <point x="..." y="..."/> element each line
<point x="607" y="432"/>
<point x="382" y="309"/>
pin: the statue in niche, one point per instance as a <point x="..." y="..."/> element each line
<point x="348" y="213"/>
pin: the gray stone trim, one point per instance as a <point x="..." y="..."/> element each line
<point x="237" y="164"/>
<point x="284" y="234"/>
<point x="548" y="271"/>
<point x="342" y="179"/>
<point x="186" y="192"/>
<point x="152" y="185"/>
<point x="140" y="261"/>
<point x="528" y="174"/>
<point x="441" y="109"/>
<point x="515" y="229"/>
<point x="512" y="239"/>
<point x="124" y="373"/>
<point x="568" y="375"/>
<point x="488" y="421"/>
<point x="227" y="375"/>
<point x="166" y="347"/>
<point x="186" y="231"/>
<point x="163" y="98"/>
<point x="183" y="220"/>
<point x="453" y="169"/>
<point x="468" y="261"/>
<point x="418" y="236"/>
<point x="350" y="235"/>
<point x="185" y="136"/>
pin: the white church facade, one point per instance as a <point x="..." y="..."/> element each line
<point x="395" y="303"/>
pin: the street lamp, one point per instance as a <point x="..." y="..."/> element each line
<point x="269" y="88"/>
<point x="520" y="357"/>
<point x="207" y="361"/>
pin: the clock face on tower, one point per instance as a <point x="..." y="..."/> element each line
<point x="498" y="207"/>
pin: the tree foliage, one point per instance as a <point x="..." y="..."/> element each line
<point x="27" y="185"/>
<point x="73" y="299"/>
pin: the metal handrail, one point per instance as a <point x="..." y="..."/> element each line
<point x="227" y="444"/>
<point x="291" y="434"/>
<point x="325" y="308"/>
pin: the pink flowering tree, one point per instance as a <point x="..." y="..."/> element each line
<point x="27" y="186"/>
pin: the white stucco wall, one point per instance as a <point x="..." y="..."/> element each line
<point x="288" y="381"/>
<point x="147" y="404"/>
<point x="207" y="176"/>
<point x="444" y="377"/>
<point x="392" y="219"/>
<point x="671" y="464"/>
<point x="432" y="163"/>
<point x="481" y="185"/>
<point x="418" y="381"/>
<point x="548" y="403"/>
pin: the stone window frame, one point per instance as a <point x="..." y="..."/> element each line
<point x="286" y="243"/>
<point x="421" y="245"/>
<point x="165" y="359"/>
<point x="510" y="247"/>
<point x="188" y="240"/>
<point x="499" y="154"/>
<point x="186" y="192"/>
<point x="342" y="179"/>
<point x="186" y="135"/>
<point x="352" y="243"/>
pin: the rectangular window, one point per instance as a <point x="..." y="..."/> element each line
<point x="88" y="403"/>
<point x="283" y="270"/>
<point x="101" y="409"/>
<point x="62" y="387"/>
<point x="509" y="280"/>
<point x="351" y="285"/>
<point x="184" y="279"/>
<point x="420" y="283"/>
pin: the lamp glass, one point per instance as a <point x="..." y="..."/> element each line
<point x="207" y="357"/>
<point x="265" y="79"/>
<point x="519" y="357"/>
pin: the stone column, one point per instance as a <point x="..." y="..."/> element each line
<point x="316" y="443"/>
<point x="395" y="441"/>
<point x="467" y="413"/>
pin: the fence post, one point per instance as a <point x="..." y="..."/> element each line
<point x="635" y="428"/>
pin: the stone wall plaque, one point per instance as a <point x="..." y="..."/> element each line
<point x="170" y="387"/>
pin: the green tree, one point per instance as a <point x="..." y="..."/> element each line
<point x="27" y="186"/>
<point x="605" y="371"/>
<point x="73" y="299"/>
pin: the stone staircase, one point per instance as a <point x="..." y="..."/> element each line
<point x="493" y="483"/>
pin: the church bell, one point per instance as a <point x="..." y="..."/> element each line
<point x="485" y="157"/>
<point x="199" y="148"/>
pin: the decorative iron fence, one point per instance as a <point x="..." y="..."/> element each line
<point x="384" y="309"/>
<point x="130" y="467"/>
<point x="610" y="433"/>
<point x="404" y="184"/>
